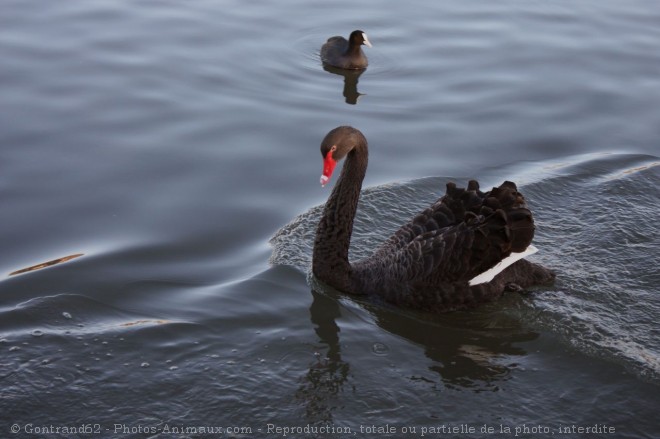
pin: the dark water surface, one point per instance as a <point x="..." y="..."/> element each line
<point x="172" y="148"/>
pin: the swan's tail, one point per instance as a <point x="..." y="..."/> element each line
<point x="518" y="223"/>
<point x="503" y="225"/>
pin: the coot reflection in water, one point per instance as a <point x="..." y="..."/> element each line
<point x="351" y="78"/>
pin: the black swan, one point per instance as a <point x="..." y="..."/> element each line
<point x="346" y="54"/>
<point x="434" y="262"/>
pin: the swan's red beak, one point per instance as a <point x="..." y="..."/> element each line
<point x="328" y="166"/>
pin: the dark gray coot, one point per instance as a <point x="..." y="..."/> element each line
<point x="346" y="54"/>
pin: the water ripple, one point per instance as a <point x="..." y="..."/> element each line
<point x="603" y="299"/>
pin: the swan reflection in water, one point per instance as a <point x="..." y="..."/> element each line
<point x="467" y="351"/>
<point x="350" y="82"/>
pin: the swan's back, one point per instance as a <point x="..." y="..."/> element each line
<point x="429" y="261"/>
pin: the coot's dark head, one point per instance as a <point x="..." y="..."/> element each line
<point x="336" y="145"/>
<point x="359" y="38"/>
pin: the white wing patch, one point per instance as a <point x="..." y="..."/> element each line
<point x="490" y="274"/>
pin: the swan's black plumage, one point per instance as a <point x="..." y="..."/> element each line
<point x="346" y="54"/>
<point x="429" y="261"/>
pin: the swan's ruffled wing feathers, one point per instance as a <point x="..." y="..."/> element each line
<point x="432" y="252"/>
<point x="463" y="234"/>
<point x="465" y="250"/>
<point x="447" y="211"/>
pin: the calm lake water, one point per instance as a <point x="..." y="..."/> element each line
<point x="172" y="148"/>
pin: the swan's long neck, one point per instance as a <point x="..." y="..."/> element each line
<point x="333" y="236"/>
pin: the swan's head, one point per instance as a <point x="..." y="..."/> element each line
<point x="358" y="38"/>
<point x="335" y="146"/>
